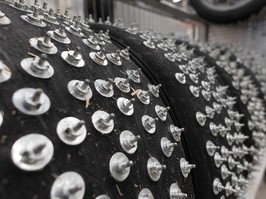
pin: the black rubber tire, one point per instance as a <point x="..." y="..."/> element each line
<point x="152" y="61"/>
<point x="229" y="15"/>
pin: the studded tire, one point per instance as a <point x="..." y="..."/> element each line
<point x="70" y="129"/>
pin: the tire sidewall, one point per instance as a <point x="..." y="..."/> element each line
<point x="230" y="15"/>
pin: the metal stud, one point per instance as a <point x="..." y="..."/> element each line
<point x="125" y="54"/>
<point x="210" y="112"/>
<point x="225" y="172"/>
<point x="252" y="150"/>
<point x="115" y="58"/>
<point x="244" y="98"/>
<point x="145" y="194"/>
<point x="35" y="5"/>
<point x="236" y="85"/>
<point x="229" y="189"/>
<point x="80" y="89"/>
<point x="230" y="102"/>
<point x="149" y="43"/>
<point x="71" y="130"/>
<point x="73" y="57"/>
<point x="65" y="17"/>
<point x="122" y="84"/>
<point x="192" y="66"/>
<point x="162" y="112"/>
<point x="184" y="69"/>
<point x="211" y="75"/>
<point x="241" y="168"/>
<point x="31" y="101"/>
<point x="144" y="96"/>
<point x="231" y="114"/>
<point x="195" y="90"/>
<point x="34" y="18"/>
<point x="154" y="90"/>
<point x="134" y="75"/>
<point x="44" y="44"/>
<point x="85" y="26"/>
<point x="217" y="186"/>
<point x="167" y="146"/>
<point x="100" y="38"/>
<point x="133" y="29"/>
<point x="181" y="77"/>
<point x="223" y="131"/>
<point x="194" y="77"/>
<point x="225" y="152"/>
<point x="43" y="9"/>
<point x="169" y="56"/>
<point x="125" y="105"/>
<point x="146" y="35"/>
<point x="99" y="58"/>
<point x="60" y="35"/>
<point x="222" y="89"/>
<point x="5" y="72"/>
<point x="232" y="163"/>
<point x="68" y="185"/>
<point x="176" y="193"/>
<point x="38" y="67"/>
<point x="129" y="141"/>
<point x="206" y="85"/>
<point x="58" y="13"/>
<point x="258" y="135"/>
<point x="177" y="56"/>
<point x="201" y="118"/>
<point x="155" y="168"/>
<point x="75" y="29"/>
<point x="176" y="132"/>
<point x="214" y="128"/>
<point x="163" y="45"/>
<point x="149" y="123"/>
<point x="211" y="148"/>
<point x="92" y="43"/>
<point x="32" y="152"/>
<point x="238" y="126"/>
<point x="218" y="159"/>
<point x="186" y="167"/>
<point x="228" y="122"/>
<point x="201" y="67"/>
<point x="106" y="37"/>
<point x="100" y="21"/>
<point x="217" y="107"/>
<point x="251" y="125"/>
<point x="119" y="166"/>
<point x="50" y="17"/>
<point x="250" y="165"/>
<point x="102" y="197"/>
<point x="206" y="94"/>
<point x="103" y="121"/>
<point x="4" y="20"/>
<point x="105" y="88"/>
<point x="238" y="116"/>
<point x="239" y="181"/>
<point x="20" y="5"/>
<point x="236" y="151"/>
<point x="217" y="96"/>
<point x="91" y="20"/>
<point x="239" y="192"/>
